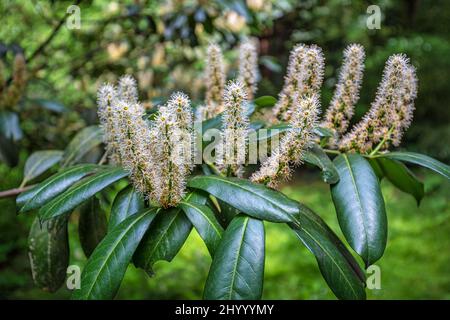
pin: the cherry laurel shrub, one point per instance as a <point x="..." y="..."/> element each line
<point x="161" y="176"/>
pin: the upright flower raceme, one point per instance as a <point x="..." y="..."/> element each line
<point x="390" y="113"/>
<point x="248" y="66"/>
<point x="133" y="139"/>
<point x="10" y="95"/>
<point x="291" y="81"/>
<point x="154" y="154"/>
<point x="235" y="132"/>
<point x="305" y="77"/>
<point x="303" y="120"/>
<point x="404" y="111"/>
<point x="127" y="89"/>
<point x="180" y="105"/>
<point x="171" y="163"/>
<point x="215" y="81"/>
<point x="346" y="94"/>
<point x="106" y="100"/>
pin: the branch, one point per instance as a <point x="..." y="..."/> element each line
<point x="14" y="192"/>
<point x="50" y="37"/>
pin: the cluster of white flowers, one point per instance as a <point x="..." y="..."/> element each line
<point x="215" y="77"/>
<point x="235" y="129"/>
<point x="215" y="81"/>
<point x="10" y="94"/>
<point x="248" y="66"/>
<point x="304" y="77"/>
<point x="295" y="142"/>
<point x="157" y="155"/>
<point x="390" y="113"/>
<point x="341" y="109"/>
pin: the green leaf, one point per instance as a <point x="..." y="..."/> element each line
<point x="54" y="106"/>
<point x="92" y="225"/>
<point x="48" y="251"/>
<point x="237" y="269"/>
<point x="53" y="186"/>
<point x="360" y="207"/>
<point x="265" y="102"/>
<point x="271" y="132"/>
<point x="226" y="214"/>
<point x="81" y="144"/>
<point x="127" y="202"/>
<point x="253" y="199"/>
<point x="9" y="126"/>
<point x="106" y="267"/>
<point x="205" y="222"/>
<point x="338" y="267"/>
<point x="402" y="177"/>
<point x="316" y="156"/>
<point x="163" y="240"/>
<point x="376" y="168"/>
<point x="421" y="160"/>
<point x="323" y="132"/>
<point x="39" y="162"/>
<point x="80" y="192"/>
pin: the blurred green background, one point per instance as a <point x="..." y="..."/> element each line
<point x="163" y="44"/>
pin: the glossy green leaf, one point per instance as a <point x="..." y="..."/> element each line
<point x="92" y="225"/>
<point x="106" y="267"/>
<point x="360" y="207"/>
<point x="271" y="132"/>
<point x="53" y="186"/>
<point x="323" y="132"/>
<point x="80" y="192"/>
<point x="253" y="199"/>
<point x="226" y="213"/>
<point x="237" y="269"/>
<point x="265" y="101"/>
<point x="205" y="222"/>
<point x="39" y="162"/>
<point x="376" y="168"/>
<point x="421" y="160"/>
<point x="316" y="156"/>
<point x="48" y="251"/>
<point x="54" y="106"/>
<point x="81" y="144"/>
<point x="163" y="240"/>
<point x="402" y="177"/>
<point x="338" y="267"/>
<point x="127" y="202"/>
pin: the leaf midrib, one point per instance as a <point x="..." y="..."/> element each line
<point x="244" y="227"/>
<point x="331" y="259"/>
<point x="359" y="204"/>
<point x="82" y="185"/>
<point x="250" y="191"/>
<point x="116" y="243"/>
<point x="74" y="169"/>
<point x="204" y="215"/>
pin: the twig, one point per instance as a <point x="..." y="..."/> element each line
<point x="50" y="37"/>
<point x="14" y="192"/>
<point x="331" y="151"/>
<point x="378" y="147"/>
<point x="103" y="159"/>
